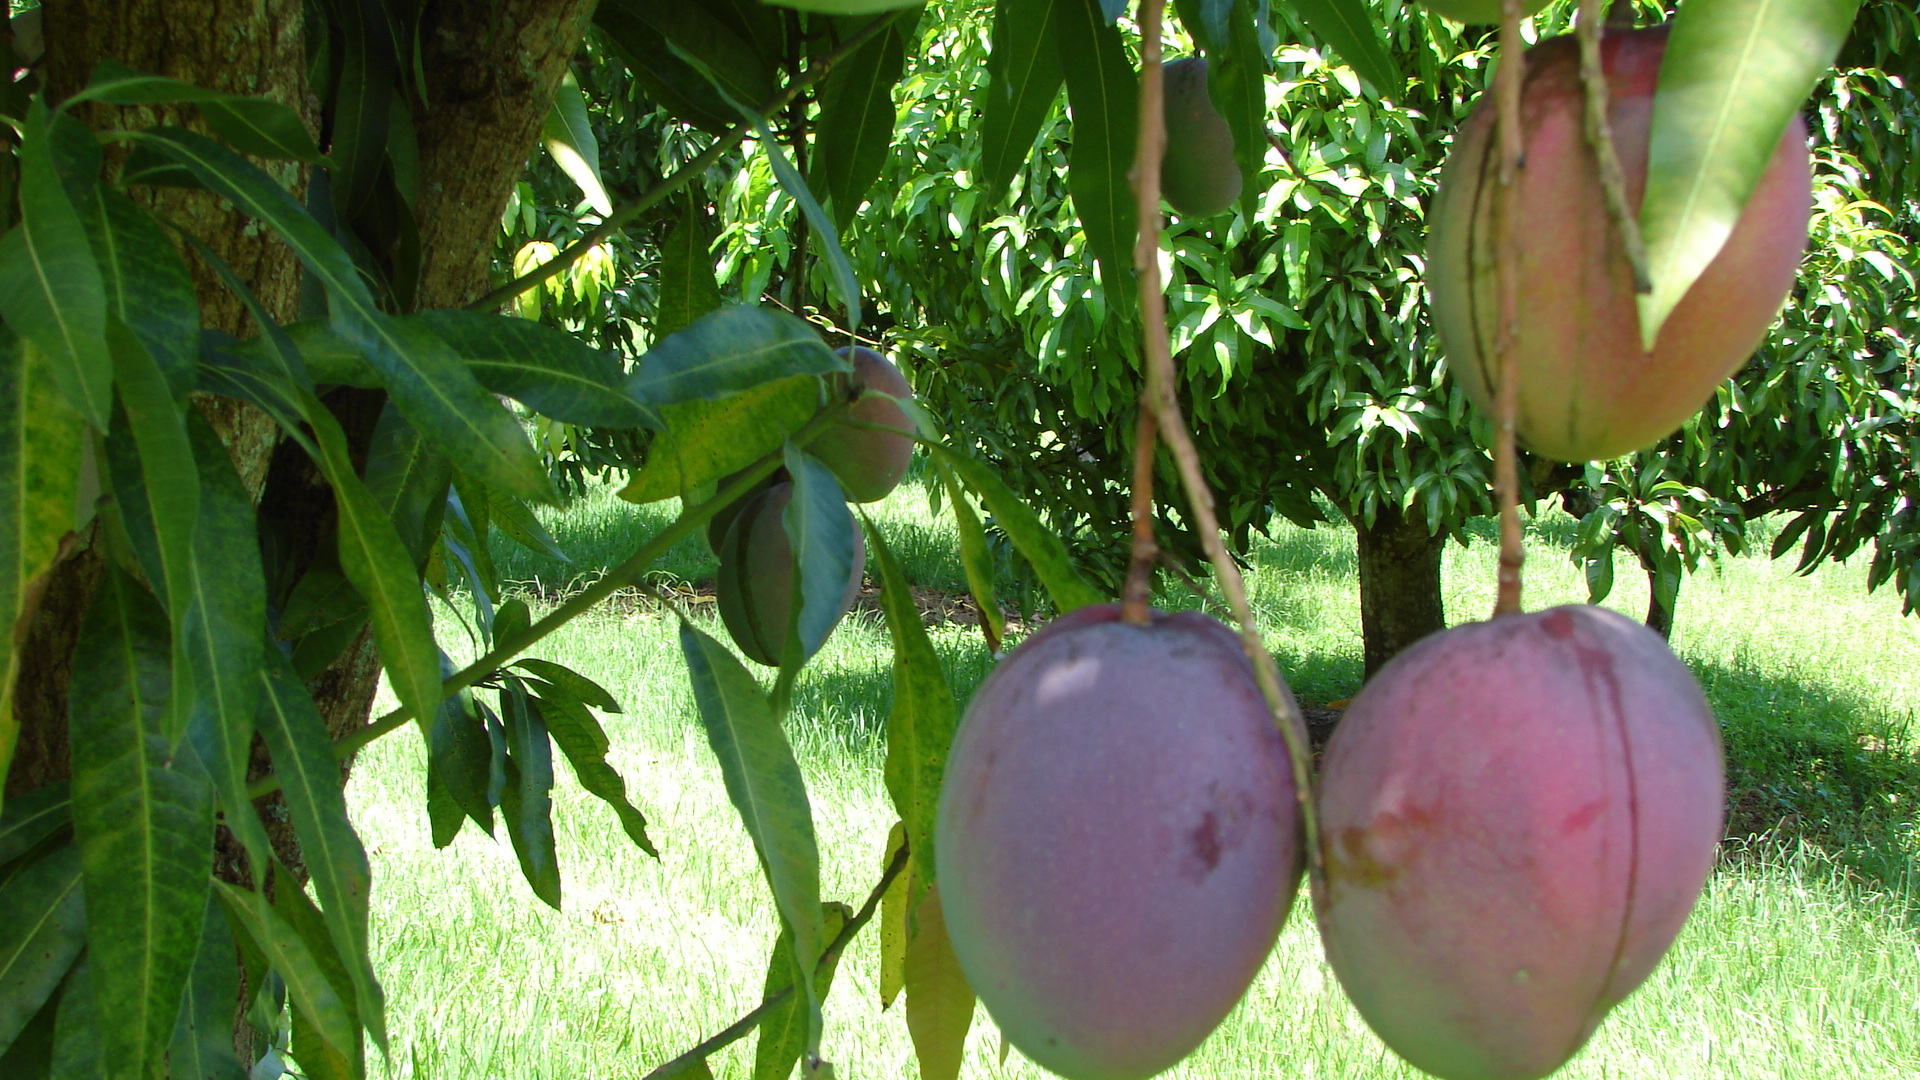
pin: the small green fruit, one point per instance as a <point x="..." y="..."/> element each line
<point x="754" y="588"/>
<point x="1198" y="176"/>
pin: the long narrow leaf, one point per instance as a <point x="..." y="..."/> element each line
<point x="580" y="737"/>
<point x="733" y="350"/>
<point x="783" y="1030"/>
<point x="147" y="286"/>
<point x="1348" y="27"/>
<point x="976" y="560"/>
<point x="821" y="530"/>
<point x="202" y="1046"/>
<point x="42" y="929"/>
<point x="527" y="801"/>
<point x="856" y="120"/>
<point x="1042" y="547"/>
<point x="1024" y="77"/>
<point x="553" y="373"/>
<point x="571" y="143"/>
<point x="688" y="289"/>
<point x="921" y="723"/>
<point x="939" y="999"/>
<point x="1103" y="95"/>
<point x="293" y="959"/>
<point x="796" y="185"/>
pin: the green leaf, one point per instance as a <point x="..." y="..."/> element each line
<point x="226" y="607"/>
<point x="202" y="1046"/>
<point x="460" y="759"/>
<point x="309" y="774"/>
<point x="527" y="801"/>
<point x="576" y="685"/>
<point x="40" y="445"/>
<point x="921" y="724"/>
<point x="688" y="289"/>
<point x="77" y="1051"/>
<point x="581" y="738"/>
<point x="893" y="920"/>
<point x="569" y="137"/>
<point x="1599" y="575"/>
<point x="409" y="480"/>
<point x="511" y="620"/>
<point x="764" y="783"/>
<point x="783" y="1028"/>
<point x="669" y="80"/>
<point x="1734" y="74"/>
<point x="820" y="528"/>
<point x="343" y="1061"/>
<point x="735" y="349"/>
<point x="147" y="286"/>
<point x="294" y="959"/>
<point x="1042" y="546"/>
<point x="829" y="237"/>
<point x="30" y="1056"/>
<point x="939" y="998"/>
<point x="361" y="101"/>
<point x="254" y="126"/>
<point x="706" y="440"/>
<point x="735" y="66"/>
<point x="1236" y="83"/>
<point x="1024" y="76"/>
<point x="42" y="929"/>
<point x="441" y="398"/>
<point x="50" y="287"/>
<point x="31" y="818"/>
<point x="976" y="561"/>
<point x="143" y="823"/>
<point x="855" y="128"/>
<point x="518" y="522"/>
<point x="553" y="373"/>
<point x="1348" y="28"/>
<point x="1103" y="94"/>
<point x="846" y="7"/>
<point x="1206" y="21"/>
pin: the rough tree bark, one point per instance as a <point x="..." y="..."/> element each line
<point x="1400" y="600"/>
<point x="490" y="72"/>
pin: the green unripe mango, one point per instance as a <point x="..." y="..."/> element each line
<point x="722" y="519"/>
<point x="1517" y="817"/>
<point x="754" y="588"/>
<point x="1198" y="176"/>
<point x="1117" y="840"/>
<point x="869" y="463"/>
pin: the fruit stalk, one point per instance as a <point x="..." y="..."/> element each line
<point x="1506" y="470"/>
<point x="1600" y="137"/>
<point x="1149" y="148"/>
<point x="1158" y="400"/>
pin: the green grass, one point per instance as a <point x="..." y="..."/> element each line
<point x="1802" y="960"/>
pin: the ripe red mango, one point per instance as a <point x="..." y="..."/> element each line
<point x="869" y="463"/>
<point x="754" y="585"/>
<point x="1116" y="840"/>
<point x="1517" y="817"/>
<point x="1588" y="390"/>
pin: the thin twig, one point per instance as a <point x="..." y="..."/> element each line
<point x="1160" y="399"/>
<point x="1600" y="138"/>
<point x="734" y="1031"/>
<point x="654" y="195"/>
<point x="1149" y="147"/>
<point x="1506" y="471"/>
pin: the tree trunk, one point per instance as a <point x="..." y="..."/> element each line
<point x="490" y="73"/>
<point x="1400" y="599"/>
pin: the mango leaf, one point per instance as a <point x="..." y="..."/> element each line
<point x="688" y="289"/>
<point x="1734" y="73"/>
<point x="1348" y="28"/>
<point x="855" y="128"/>
<point x="511" y="620"/>
<point x="1031" y="537"/>
<point x="361" y="105"/>
<point x="1236" y="83"/>
<point x="577" y="686"/>
<point x="30" y="1055"/>
<point x="820" y="528"/>
<point x="76" y="1028"/>
<point x="706" y="440"/>
<point x="31" y="818"/>
<point x="518" y="522"/>
<point x="846" y="7"/>
<point x="147" y="286"/>
<point x="764" y="783"/>
<point x="1206" y="21"/>
<point x="921" y="724"/>
<point x="202" y="1046"/>
<point x="796" y="185"/>
<point x="735" y="349"/>
<point x="226" y="607"/>
<point x="40" y="446"/>
<point x="736" y="67"/>
<point x="42" y="929"/>
<point x="553" y="373"/>
<point x="409" y="480"/>
<point x="893" y="921"/>
<point x="324" y="1059"/>
<point x="569" y="137"/>
<point x="439" y="396"/>
<point x="581" y="738"/>
<point x="309" y="774"/>
<point x="1024" y="77"/>
<point x="939" y="998"/>
<point x="976" y="560"/>
<point x="50" y="287"/>
<point x="783" y="1028"/>
<point x="293" y="959"/>
<point x="1103" y="95"/>
<point x="667" y="79"/>
<point x="460" y="758"/>
<point x="251" y="125"/>
<point x="143" y="823"/>
<point x="526" y="803"/>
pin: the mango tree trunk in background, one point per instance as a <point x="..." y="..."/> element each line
<point x="490" y="70"/>
<point x="1400" y="600"/>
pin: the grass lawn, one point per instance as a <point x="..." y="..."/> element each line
<point x="1802" y="960"/>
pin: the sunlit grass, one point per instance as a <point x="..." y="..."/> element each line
<point x="1802" y="960"/>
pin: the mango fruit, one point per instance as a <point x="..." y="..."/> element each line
<point x="754" y="587"/>
<point x="869" y="463"/>
<point x="1116" y="840"/>
<point x="1517" y="817"/>
<point x="1198" y="176"/>
<point x="1588" y="389"/>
